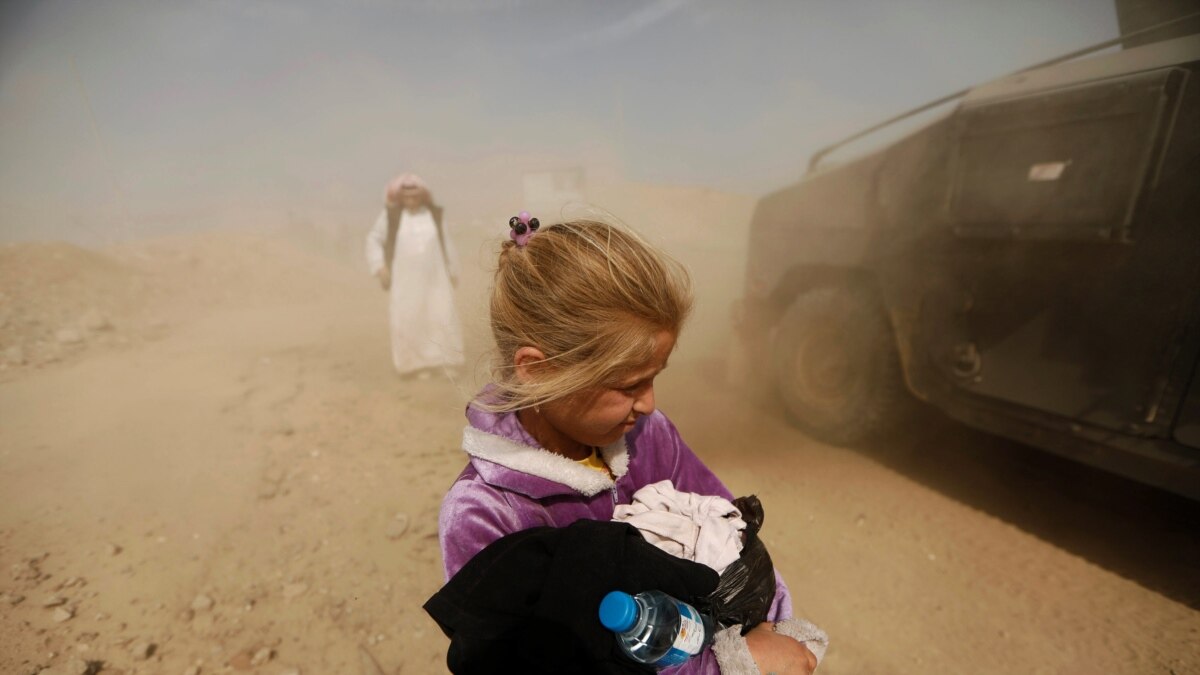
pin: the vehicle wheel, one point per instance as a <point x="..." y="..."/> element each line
<point x="836" y="367"/>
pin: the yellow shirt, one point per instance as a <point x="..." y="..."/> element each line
<point x="593" y="461"/>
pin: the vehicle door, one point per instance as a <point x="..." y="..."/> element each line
<point x="1071" y="262"/>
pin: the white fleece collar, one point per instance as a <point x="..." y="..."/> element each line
<point x="545" y="464"/>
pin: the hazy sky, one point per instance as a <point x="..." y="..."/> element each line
<point x="153" y="106"/>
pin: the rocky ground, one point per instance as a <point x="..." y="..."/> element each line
<point x="208" y="467"/>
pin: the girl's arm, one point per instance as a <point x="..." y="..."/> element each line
<point x="473" y="515"/>
<point x="689" y="474"/>
<point x="672" y="459"/>
<point x="798" y="644"/>
<point x="773" y="652"/>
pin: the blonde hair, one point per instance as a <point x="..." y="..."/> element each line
<point x="592" y="297"/>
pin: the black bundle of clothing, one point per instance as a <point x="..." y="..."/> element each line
<point x="528" y="602"/>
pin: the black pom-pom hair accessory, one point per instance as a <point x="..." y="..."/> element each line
<point x="521" y="227"/>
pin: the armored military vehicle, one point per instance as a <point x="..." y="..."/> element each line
<point x="1029" y="263"/>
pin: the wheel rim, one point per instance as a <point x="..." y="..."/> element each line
<point x="823" y="371"/>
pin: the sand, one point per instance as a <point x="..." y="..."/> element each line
<point x="207" y="466"/>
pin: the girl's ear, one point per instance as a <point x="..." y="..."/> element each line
<point x="526" y="361"/>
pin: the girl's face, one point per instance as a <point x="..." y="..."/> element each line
<point x="600" y="415"/>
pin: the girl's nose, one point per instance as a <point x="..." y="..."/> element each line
<point x="644" y="403"/>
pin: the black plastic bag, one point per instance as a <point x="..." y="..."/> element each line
<point x="747" y="587"/>
<point x="527" y="602"/>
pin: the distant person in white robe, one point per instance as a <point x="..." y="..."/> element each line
<point x="410" y="254"/>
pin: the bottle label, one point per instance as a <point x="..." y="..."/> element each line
<point x="690" y="639"/>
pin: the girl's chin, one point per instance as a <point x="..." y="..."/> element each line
<point x="611" y="437"/>
<point x="616" y="435"/>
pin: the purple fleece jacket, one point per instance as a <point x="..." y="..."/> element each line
<point x="512" y="484"/>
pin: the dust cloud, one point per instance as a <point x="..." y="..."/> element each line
<point x="207" y="464"/>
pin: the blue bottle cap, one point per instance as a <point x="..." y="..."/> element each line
<point x="618" y="611"/>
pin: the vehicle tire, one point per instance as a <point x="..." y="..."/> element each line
<point x="836" y="367"/>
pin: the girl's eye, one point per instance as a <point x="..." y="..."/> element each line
<point x="633" y="389"/>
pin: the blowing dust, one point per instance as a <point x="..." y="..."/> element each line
<point x="209" y="466"/>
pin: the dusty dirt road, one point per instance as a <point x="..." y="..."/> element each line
<point x="228" y="478"/>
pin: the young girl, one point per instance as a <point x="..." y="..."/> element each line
<point x="585" y="315"/>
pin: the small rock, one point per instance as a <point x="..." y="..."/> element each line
<point x="54" y="601"/>
<point x="94" y="320"/>
<point x="294" y="590"/>
<point x="367" y="663"/>
<point x="27" y="570"/>
<point x="397" y="527"/>
<point x="241" y="661"/>
<point x="203" y="623"/>
<point x="12" y="598"/>
<point x="113" y="549"/>
<point x="202" y="603"/>
<point x="68" y="336"/>
<point x="15" y="355"/>
<point x="261" y="656"/>
<point x="72" y="667"/>
<point x="142" y="650"/>
<point x="62" y="614"/>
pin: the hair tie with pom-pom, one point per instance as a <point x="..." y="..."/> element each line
<point x="522" y="227"/>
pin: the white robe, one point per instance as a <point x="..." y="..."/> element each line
<point x="424" y="323"/>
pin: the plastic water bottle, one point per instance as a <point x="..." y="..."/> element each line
<point x="655" y="628"/>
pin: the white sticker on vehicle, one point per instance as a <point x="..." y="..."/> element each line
<point x="1047" y="171"/>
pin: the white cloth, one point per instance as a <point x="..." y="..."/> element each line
<point x="705" y="529"/>
<point x="425" y="329"/>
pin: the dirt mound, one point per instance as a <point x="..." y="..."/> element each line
<point x="233" y="269"/>
<point x="57" y="298"/>
<point x="58" y="301"/>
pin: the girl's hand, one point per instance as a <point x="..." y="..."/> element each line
<point x="776" y="654"/>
